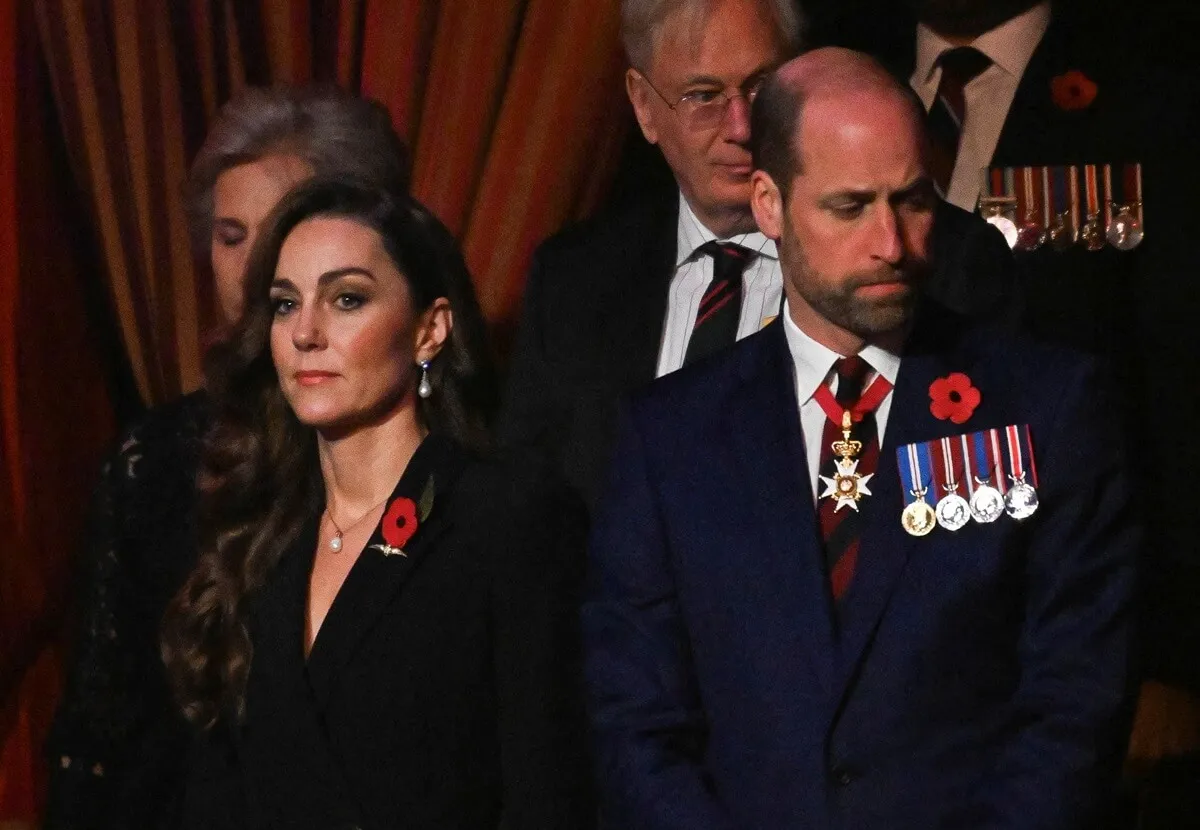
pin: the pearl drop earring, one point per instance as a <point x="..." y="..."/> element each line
<point x="425" y="388"/>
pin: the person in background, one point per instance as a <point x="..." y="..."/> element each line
<point x="873" y="566"/>
<point x="616" y="302"/>
<point x="116" y="750"/>
<point x="382" y="629"/>
<point x="1015" y="84"/>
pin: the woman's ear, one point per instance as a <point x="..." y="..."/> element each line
<point x="433" y="328"/>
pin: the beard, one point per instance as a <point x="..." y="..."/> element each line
<point x="967" y="18"/>
<point x="841" y="301"/>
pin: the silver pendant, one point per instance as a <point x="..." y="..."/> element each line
<point x="1021" y="500"/>
<point x="335" y="544"/>
<point x="987" y="505"/>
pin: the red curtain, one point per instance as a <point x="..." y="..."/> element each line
<point x="515" y="114"/>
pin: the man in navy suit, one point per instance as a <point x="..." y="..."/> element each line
<point x="766" y="646"/>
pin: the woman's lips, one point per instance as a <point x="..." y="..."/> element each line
<point x="312" y="378"/>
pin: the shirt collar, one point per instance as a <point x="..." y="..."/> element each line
<point x="813" y="361"/>
<point x="1010" y="45"/>
<point x="692" y="233"/>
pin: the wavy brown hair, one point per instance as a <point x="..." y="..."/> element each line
<point x="259" y="479"/>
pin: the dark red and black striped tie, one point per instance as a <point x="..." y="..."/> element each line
<point x="721" y="307"/>
<point x="841" y="530"/>
<point x="948" y="114"/>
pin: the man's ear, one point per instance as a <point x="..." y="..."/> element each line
<point x="433" y="327"/>
<point x="767" y="204"/>
<point x="639" y="95"/>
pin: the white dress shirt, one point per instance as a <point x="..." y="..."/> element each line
<point x="813" y="367"/>
<point x="988" y="96"/>
<point x="762" y="286"/>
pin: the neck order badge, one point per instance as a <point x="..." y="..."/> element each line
<point x="846" y="486"/>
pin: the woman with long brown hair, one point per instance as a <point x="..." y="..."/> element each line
<point x="117" y="745"/>
<point x="381" y="630"/>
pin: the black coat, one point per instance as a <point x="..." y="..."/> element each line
<point x="442" y="690"/>
<point x="1137" y="310"/>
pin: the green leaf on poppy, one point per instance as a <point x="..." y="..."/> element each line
<point x="425" y="505"/>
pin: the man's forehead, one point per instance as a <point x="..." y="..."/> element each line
<point x="692" y="35"/>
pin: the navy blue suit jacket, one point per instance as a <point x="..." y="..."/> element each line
<point x="980" y="679"/>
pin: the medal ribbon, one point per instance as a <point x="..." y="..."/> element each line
<point x="949" y="466"/>
<point x="1030" y="200"/>
<point x="1033" y="476"/>
<point x="1062" y="199"/>
<point x="983" y="463"/>
<point x="912" y="477"/>
<point x="1108" y="189"/>
<point x="871" y="398"/>
<point x="1133" y="189"/>
<point x="1074" y="182"/>
<point x="1093" y="190"/>
<point x="1010" y="186"/>
<point x="1047" y="210"/>
<point x="997" y="459"/>
<point x="1015" y="464"/>
<point x="997" y="182"/>
<point x="967" y="472"/>
<point x="927" y="468"/>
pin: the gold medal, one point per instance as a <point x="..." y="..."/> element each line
<point x="918" y="519"/>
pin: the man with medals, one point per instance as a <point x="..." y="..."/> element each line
<point x="822" y="596"/>
<point x="1091" y="96"/>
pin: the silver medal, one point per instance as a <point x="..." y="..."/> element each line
<point x="987" y="505"/>
<point x="953" y="511"/>
<point x="1021" y="500"/>
<point x="1125" y="230"/>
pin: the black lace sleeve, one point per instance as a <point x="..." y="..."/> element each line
<point x="117" y="744"/>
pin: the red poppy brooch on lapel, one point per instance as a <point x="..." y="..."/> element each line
<point x="953" y="398"/>
<point x="401" y="520"/>
<point x="1073" y="91"/>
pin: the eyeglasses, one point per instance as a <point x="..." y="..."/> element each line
<point x="705" y="109"/>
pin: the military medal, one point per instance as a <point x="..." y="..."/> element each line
<point x="1125" y="225"/>
<point x="1021" y="500"/>
<point x="953" y="511"/>
<point x="1064" y="231"/>
<point x="986" y="502"/>
<point x="917" y="518"/>
<point x="1032" y="231"/>
<point x="999" y="209"/>
<point x="1094" y="229"/>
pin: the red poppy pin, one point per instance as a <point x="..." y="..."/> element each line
<point x="953" y="398"/>
<point x="401" y="520"/>
<point x="1073" y="91"/>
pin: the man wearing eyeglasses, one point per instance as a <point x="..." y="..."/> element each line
<point x="614" y="303"/>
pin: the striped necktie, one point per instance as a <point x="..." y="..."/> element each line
<point x="720" y="309"/>
<point x="948" y="114"/>
<point x="841" y="530"/>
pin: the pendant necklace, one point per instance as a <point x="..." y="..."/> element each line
<point x="335" y="543"/>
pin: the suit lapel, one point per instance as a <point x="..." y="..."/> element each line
<point x="932" y="352"/>
<point x="640" y="310"/>
<point x="376" y="578"/>
<point x="284" y="717"/>
<point x="769" y="449"/>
